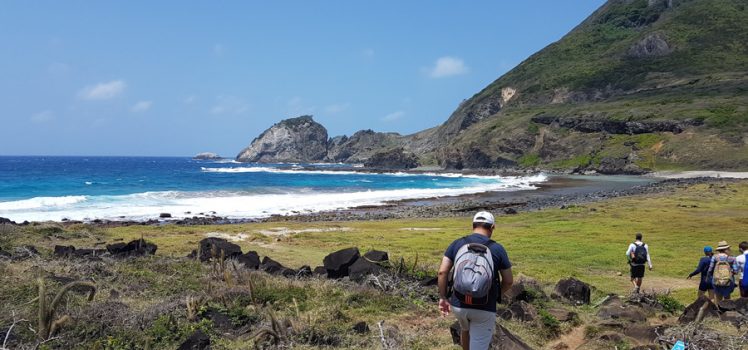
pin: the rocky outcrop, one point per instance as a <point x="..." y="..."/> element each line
<point x="472" y="158"/>
<point x="360" y="146"/>
<point x="207" y="156"/>
<point x="392" y="159"/>
<point x="653" y="45"/>
<point x="292" y="140"/>
<point x="573" y="291"/>
<point x="214" y="247"/>
<point x="610" y="126"/>
<point x="337" y="263"/>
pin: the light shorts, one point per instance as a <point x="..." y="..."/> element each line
<point x="480" y="323"/>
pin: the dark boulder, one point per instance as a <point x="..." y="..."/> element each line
<point x="24" y="252"/>
<point x="64" y="251"/>
<point x="138" y="247"/>
<point x="250" y="259"/>
<point x="4" y="254"/>
<point x="377" y="256"/>
<point x="429" y="281"/>
<point x="525" y="289"/>
<point x="617" y="309"/>
<point x="164" y="215"/>
<point x="690" y="313"/>
<point x="362" y="268"/>
<point x="304" y="271"/>
<point x="510" y="211"/>
<point x="361" y="328"/>
<point x="6" y="221"/>
<point x="275" y="268"/>
<point x="213" y="246"/>
<point x="573" y="291"/>
<point x="320" y="271"/>
<point x="739" y="305"/>
<point x="520" y="311"/>
<point x="197" y="341"/>
<point x="86" y="252"/>
<point x="562" y="315"/>
<point x="337" y="263"/>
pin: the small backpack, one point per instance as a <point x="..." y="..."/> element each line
<point x="722" y="275"/>
<point x="473" y="274"/>
<point x="639" y="254"/>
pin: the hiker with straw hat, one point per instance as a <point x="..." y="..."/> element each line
<point x="723" y="269"/>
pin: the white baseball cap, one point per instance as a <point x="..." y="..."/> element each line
<point x="483" y="216"/>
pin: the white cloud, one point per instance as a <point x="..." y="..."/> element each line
<point x="393" y="116"/>
<point x="141" y="106"/>
<point x="446" y="67"/>
<point x="43" y="117"/>
<point x="103" y="91"/>
<point x="337" y="108"/>
<point x="226" y="105"/>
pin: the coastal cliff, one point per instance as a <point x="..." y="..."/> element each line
<point x="292" y="140"/>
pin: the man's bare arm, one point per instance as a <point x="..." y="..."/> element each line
<point x="443" y="276"/>
<point x="507" y="279"/>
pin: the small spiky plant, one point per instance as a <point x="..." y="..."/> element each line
<point x="48" y="325"/>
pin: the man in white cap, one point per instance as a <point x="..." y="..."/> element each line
<point x="476" y="287"/>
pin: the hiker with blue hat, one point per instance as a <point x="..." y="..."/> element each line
<point x="703" y="268"/>
<point x="480" y="272"/>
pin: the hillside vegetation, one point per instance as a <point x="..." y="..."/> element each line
<point x="626" y="67"/>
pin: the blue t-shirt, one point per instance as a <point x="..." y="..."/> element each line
<point x="500" y="262"/>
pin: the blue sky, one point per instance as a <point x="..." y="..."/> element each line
<point x="177" y="78"/>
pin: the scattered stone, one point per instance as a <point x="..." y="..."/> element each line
<point x="320" y="271"/>
<point x="562" y="315"/>
<point x="691" y="311"/>
<point x="304" y="271"/>
<point x="250" y="259"/>
<point x="377" y="256"/>
<point x="4" y="254"/>
<point x="138" y="247"/>
<point x="337" y="263"/>
<point x="612" y="337"/>
<point x="214" y="246"/>
<point x="220" y="320"/>
<point x="64" y="251"/>
<point x="197" y="341"/>
<point x="164" y="215"/>
<point x="520" y="311"/>
<point x="615" y="308"/>
<point x="525" y="289"/>
<point x="642" y="332"/>
<point x="573" y="291"/>
<point x="510" y="211"/>
<point x="275" y="268"/>
<point x="24" y="252"/>
<point x="361" y="328"/>
<point x="362" y="268"/>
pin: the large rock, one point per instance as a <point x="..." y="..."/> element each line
<point x="207" y="156"/>
<point x="692" y="311"/>
<point x="137" y="247"/>
<point x="275" y="268"/>
<point x="64" y="251"/>
<point x="362" y="268"/>
<point x="520" y="311"/>
<point x="377" y="256"/>
<point x="502" y="338"/>
<point x="338" y="263"/>
<point x="292" y="140"/>
<point x="652" y="45"/>
<point x="615" y="308"/>
<point x="208" y="247"/>
<point x="250" y="259"/>
<point x="525" y="289"/>
<point x="392" y="159"/>
<point x="573" y="291"/>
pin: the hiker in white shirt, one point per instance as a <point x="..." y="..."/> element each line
<point x="740" y="267"/>
<point x="638" y="257"/>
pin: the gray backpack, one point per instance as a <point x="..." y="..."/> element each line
<point x="473" y="274"/>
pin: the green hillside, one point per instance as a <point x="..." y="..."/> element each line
<point x="639" y="85"/>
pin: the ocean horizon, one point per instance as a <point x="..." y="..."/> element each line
<point x="42" y="188"/>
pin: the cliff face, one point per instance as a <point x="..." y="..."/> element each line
<point x="292" y="140"/>
<point x="360" y="146"/>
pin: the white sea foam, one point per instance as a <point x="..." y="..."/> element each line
<point x="296" y="170"/>
<point x="147" y="205"/>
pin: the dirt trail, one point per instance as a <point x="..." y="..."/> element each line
<point x="573" y="339"/>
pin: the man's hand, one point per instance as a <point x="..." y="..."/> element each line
<point x="650" y="268"/>
<point x="444" y="306"/>
<point x="689" y="277"/>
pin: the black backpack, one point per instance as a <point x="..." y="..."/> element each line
<point x="640" y="254"/>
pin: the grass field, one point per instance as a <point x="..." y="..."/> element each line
<point x="587" y="242"/>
